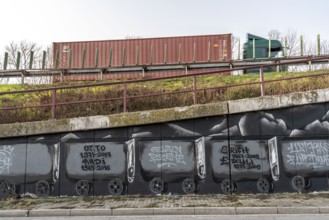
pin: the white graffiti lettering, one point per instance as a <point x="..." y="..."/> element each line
<point x="167" y="155"/>
<point x="308" y="154"/>
<point x="6" y="158"/>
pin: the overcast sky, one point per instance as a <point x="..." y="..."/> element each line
<point x="47" y="21"/>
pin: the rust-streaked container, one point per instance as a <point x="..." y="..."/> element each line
<point x="143" y="51"/>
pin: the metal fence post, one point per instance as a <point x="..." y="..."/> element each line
<point x="285" y="47"/>
<point x="262" y="85"/>
<point x="31" y="59"/>
<point x="70" y="59"/>
<point x="319" y="44"/>
<point x="125" y="97"/>
<point x="53" y="104"/>
<point x="209" y="51"/>
<point x="43" y="59"/>
<point x="57" y="59"/>
<point x="269" y="48"/>
<point x="301" y="46"/>
<point x="18" y="60"/>
<point x="194" y="91"/>
<point x="5" y="61"/>
<point x="254" y="48"/>
<point x="137" y="53"/>
<point x="239" y="45"/>
<point x="96" y="58"/>
<point x="194" y="50"/>
<point x="165" y="54"/>
<point x="179" y="53"/>
<point x="151" y="54"/>
<point x="83" y="58"/>
<point x="110" y="59"/>
<point x="123" y="56"/>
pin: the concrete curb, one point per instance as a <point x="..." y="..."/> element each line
<point x="49" y="212"/>
<point x="256" y="210"/>
<point x="133" y="211"/>
<point x="298" y="210"/>
<point x="174" y="211"/>
<point x="91" y="212"/>
<point x="14" y="213"/>
<point x="165" y="211"/>
<point x="215" y="210"/>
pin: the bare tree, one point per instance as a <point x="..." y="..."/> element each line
<point x="309" y="46"/>
<point x="25" y="48"/>
<point x="292" y="40"/>
<point x="324" y="47"/>
<point x="235" y="47"/>
<point x="49" y="57"/>
<point x="133" y="37"/>
<point x="274" y="34"/>
<point x="1" y="65"/>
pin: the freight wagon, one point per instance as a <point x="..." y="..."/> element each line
<point x="112" y="161"/>
<point x="136" y="54"/>
<point x="168" y="161"/>
<point x="142" y="51"/>
<point x="22" y="163"/>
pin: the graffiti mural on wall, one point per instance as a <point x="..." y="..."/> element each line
<point x="172" y="161"/>
<point x="268" y="151"/>
<point x="86" y="162"/>
<point x="22" y="163"/>
<point x="243" y="160"/>
<point x="6" y="158"/>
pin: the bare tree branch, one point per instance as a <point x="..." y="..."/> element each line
<point x="25" y="48"/>
<point x="274" y="34"/>
<point x="235" y="47"/>
<point x="292" y="42"/>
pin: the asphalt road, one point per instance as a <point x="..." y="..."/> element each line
<point x="186" y="217"/>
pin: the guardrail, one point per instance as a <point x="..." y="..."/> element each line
<point x="145" y="71"/>
<point x="54" y="92"/>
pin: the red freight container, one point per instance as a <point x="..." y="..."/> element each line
<point x="143" y="51"/>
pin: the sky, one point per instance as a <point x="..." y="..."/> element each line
<point x="47" y="21"/>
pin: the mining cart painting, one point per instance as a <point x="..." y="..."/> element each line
<point x="271" y="151"/>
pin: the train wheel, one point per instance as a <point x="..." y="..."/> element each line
<point x="189" y="186"/>
<point x="298" y="183"/>
<point x="42" y="188"/>
<point x="263" y="185"/>
<point x="115" y="187"/>
<point x="82" y="188"/>
<point x="156" y="186"/>
<point x="7" y="188"/>
<point x="228" y="186"/>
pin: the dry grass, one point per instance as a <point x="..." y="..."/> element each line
<point x="151" y="201"/>
<point x="222" y="91"/>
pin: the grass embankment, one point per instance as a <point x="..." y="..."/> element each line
<point x="220" y="93"/>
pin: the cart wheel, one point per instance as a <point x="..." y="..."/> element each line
<point x="156" y="186"/>
<point x="189" y="186"/>
<point x="263" y="185"/>
<point x="308" y="183"/>
<point x="298" y="183"/>
<point x="82" y="188"/>
<point x="228" y="186"/>
<point x="115" y="187"/>
<point x="42" y="188"/>
<point x="7" y="188"/>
